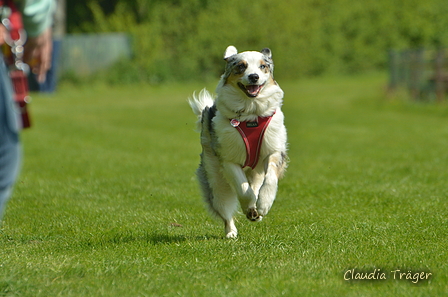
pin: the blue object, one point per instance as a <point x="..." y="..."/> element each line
<point x="9" y="137"/>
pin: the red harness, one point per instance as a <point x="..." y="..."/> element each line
<point x="252" y="134"/>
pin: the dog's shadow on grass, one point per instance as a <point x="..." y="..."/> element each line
<point x="160" y="238"/>
<point x="152" y="238"/>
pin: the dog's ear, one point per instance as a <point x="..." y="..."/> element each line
<point x="230" y="51"/>
<point x="267" y="52"/>
<point x="268" y="58"/>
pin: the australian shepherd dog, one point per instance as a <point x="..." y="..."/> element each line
<point x="243" y="138"/>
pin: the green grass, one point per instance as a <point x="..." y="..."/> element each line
<point x="108" y="205"/>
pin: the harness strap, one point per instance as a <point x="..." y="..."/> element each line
<point x="252" y="134"/>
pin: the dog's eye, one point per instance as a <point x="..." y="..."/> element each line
<point x="240" y="68"/>
<point x="262" y="66"/>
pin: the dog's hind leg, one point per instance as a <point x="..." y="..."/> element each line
<point x="275" y="165"/>
<point x="219" y="197"/>
<point x="225" y="204"/>
<point x="230" y="229"/>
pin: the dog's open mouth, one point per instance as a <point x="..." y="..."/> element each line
<point x="251" y="90"/>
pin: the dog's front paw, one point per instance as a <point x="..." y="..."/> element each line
<point x="263" y="209"/>
<point x="252" y="215"/>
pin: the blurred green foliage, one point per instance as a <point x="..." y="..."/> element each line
<point x="185" y="39"/>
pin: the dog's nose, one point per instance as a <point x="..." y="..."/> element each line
<point x="253" y="77"/>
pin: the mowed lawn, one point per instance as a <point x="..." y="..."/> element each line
<point x="107" y="203"/>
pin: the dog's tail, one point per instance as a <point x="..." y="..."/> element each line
<point x="199" y="102"/>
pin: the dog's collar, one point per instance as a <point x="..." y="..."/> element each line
<point x="252" y="133"/>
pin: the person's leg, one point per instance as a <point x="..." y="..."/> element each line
<point x="9" y="138"/>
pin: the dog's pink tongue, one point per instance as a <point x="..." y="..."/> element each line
<point x="253" y="89"/>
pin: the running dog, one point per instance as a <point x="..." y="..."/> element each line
<point x="243" y="138"/>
